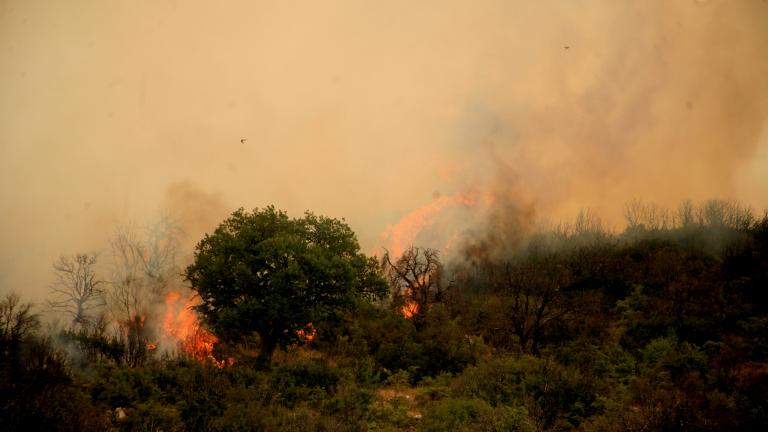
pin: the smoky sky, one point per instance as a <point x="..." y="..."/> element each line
<point x="123" y="110"/>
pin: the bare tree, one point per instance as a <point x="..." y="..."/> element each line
<point x="647" y="216"/>
<point x="713" y="213"/>
<point x="158" y="254"/>
<point x="685" y="214"/>
<point x="142" y="269"/>
<point x="77" y="292"/>
<point x="127" y="281"/>
<point x="17" y="324"/>
<point x="721" y="213"/>
<point x="16" y="319"/>
<point x="416" y="281"/>
<point x="535" y="289"/>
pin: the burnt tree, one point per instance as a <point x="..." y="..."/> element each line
<point x="416" y="281"/>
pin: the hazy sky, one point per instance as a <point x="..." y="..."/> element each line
<point x="116" y="111"/>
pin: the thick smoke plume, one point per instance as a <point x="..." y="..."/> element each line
<point x="369" y="111"/>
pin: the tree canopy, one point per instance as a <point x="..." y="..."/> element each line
<point x="265" y="273"/>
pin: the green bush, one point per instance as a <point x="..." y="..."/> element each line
<point x="350" y="406"/>
<point x="474" y="415"/>
<point x="306" y="381"/>
<point x="151" y="417"/>
<point x="552" y="393"/>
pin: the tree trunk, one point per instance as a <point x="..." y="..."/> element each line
<point x="267" y="346"/>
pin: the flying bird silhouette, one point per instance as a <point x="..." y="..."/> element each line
<point x="243" y="140"/>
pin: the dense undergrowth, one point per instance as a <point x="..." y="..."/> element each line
<point x="656" y="328"/>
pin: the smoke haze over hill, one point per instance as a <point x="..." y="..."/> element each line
<point x="368" y="111"/>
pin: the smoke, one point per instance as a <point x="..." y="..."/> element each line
<point x="195" y="213"/>
<point x="368" y="111"/>
<point x="654" y="101"/>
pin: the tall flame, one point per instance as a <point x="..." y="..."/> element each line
<point x="397" y="238"/>
<point x="181" y="326"/>
<point x="402" y="235"/>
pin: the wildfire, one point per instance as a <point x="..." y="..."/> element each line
<point x="439" y="225"/>
<point x="182" y="327"/>
<point x="410" y="308"/>
<point x="403" y="234"/>
<point x="307" y="336"/>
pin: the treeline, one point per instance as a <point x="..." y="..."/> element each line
<point x="663" y="326"/>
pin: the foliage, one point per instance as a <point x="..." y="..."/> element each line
<point x="305" y="381"/>
<point x="36" y="389"/>
<point x="263" y="272"/>
<point x="661" y="327"/>
<point x="475" y="415"/>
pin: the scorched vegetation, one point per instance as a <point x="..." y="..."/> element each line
<point x="663" y="326"/>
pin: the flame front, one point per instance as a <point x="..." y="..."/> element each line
<point x="182" y="327"/>
<point x="402" y="235"/>
<point x="433" y="216"/>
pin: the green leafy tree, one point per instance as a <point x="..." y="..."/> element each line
<point x="265" y="273"/>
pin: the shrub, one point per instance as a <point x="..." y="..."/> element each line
<point x="474" y="415"/>
<point x="307" y="381"/>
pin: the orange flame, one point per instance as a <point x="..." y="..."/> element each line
<point x="307" y="336"/>
<point x="410" y="308"/>
<point x="397" y="238"/>
<point x="182" y="327"/>
<point x="402" y="235"/>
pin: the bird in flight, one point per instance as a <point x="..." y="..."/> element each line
<point x="243" y="140"/>
<point x="567" y="47"/>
